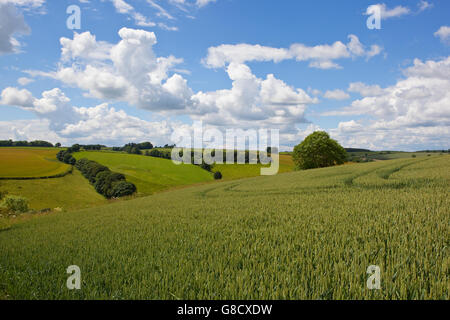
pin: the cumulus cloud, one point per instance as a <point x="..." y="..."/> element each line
<point x="127" y="71"/>
<point x="415" y="108"/>
<point x="444" y="34"/>
<point x="265" y="102"/>
<point x="58" y="120"/>
<point x="320" y="56"/>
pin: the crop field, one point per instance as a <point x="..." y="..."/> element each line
<point x="239" y="171"/>
<point x="70" y="192"/>
<point x="30" y="162"/>
<point x="149" y="174"/>
<point x="300" y="235"/>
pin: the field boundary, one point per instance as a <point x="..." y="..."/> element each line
<point x="59" y="175"/>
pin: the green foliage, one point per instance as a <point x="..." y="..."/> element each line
<point x="122" y="188"/>
<point x="66" y="157"/>
<point x="145" y="145"/>
<point x="105" y="182"/>
<point x="160" y="153"/>
<point x="15" y="204"/>
<point x="36" y="143"/>
<point x="318" y="150"/>
<point x="217" y="175"/>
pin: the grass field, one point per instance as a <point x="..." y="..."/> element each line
<point x="389" y="155"/>
<point x="30" y="162"/>
<point x="149" y="174"/>
<point x="70" y="192"/>
<point x="301" y="235"/>
<point x="239" y="171"/>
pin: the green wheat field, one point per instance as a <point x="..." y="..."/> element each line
<point x="298" y="235"/>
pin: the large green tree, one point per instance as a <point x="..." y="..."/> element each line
<point x="318" y="150"/>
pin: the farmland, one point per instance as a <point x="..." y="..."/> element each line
<point x="30" y="163"/>
<point x="70" y="192"/>
<point x="149" y="174"/>
<point x="239" y="171"/>
<point x="301" y="235"/>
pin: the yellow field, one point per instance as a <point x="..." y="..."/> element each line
<point x="30" y="163"/>
<point x="239" y="171"/>
<point x="70" y="192"/>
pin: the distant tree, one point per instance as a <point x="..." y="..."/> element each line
<point x="122" y="188"/>
<point x="145" y="145"/>
<point x="318" y="150"/>
<point x="69" y="159"/>
<point x="58" y="145"/>
<point x="135" y="150"/>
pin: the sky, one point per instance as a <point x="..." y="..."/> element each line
<point x="141" y="70"/>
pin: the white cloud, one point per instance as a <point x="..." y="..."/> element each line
<point x="125" y="8"/>
<point x="202" y="3"/>
<point x="251" y="102"/>
<point x="443" y="33"/>
<point x="24" y="81"/>
<point x="58" y="120"/>
<point x="161" y="11"/>
<point x="15" y="97"/>
<point x="121" y="6"/>
<point x="128" y="71"/>
<point x="84" y="46"/>
<point x="424" y="5"/>
<point x="415" y="108"/>
<point x="320" y="56"/>
<point x="24" y="3"/>
<point x="11" y="24"/>
<point x="336" y="95"/>
<point x="387" y="13"/>
<point x="365" y="90"/>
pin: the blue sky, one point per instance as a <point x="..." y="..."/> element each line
<point x="141" y="69"/>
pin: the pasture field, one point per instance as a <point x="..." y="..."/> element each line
<point x="239" y="171"/>
<point x="301" y="235"/>
<point x="30" y="162"/>
<point x="70" y="192"/>
<point x="389" y="155"/>
<point x="149" y="174"/>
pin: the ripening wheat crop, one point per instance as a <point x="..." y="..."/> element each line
<point x="301" y="235"/>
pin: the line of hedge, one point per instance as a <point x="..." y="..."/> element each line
<point x="107" y="183"/>
<point x="247" y="155"/>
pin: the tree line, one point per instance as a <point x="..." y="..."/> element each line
<point x="35" y="143"/>
<point x="134" y="148"/>
<point x="106" y="182"/>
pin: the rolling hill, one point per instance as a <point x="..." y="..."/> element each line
<point x="149" y="174"/>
